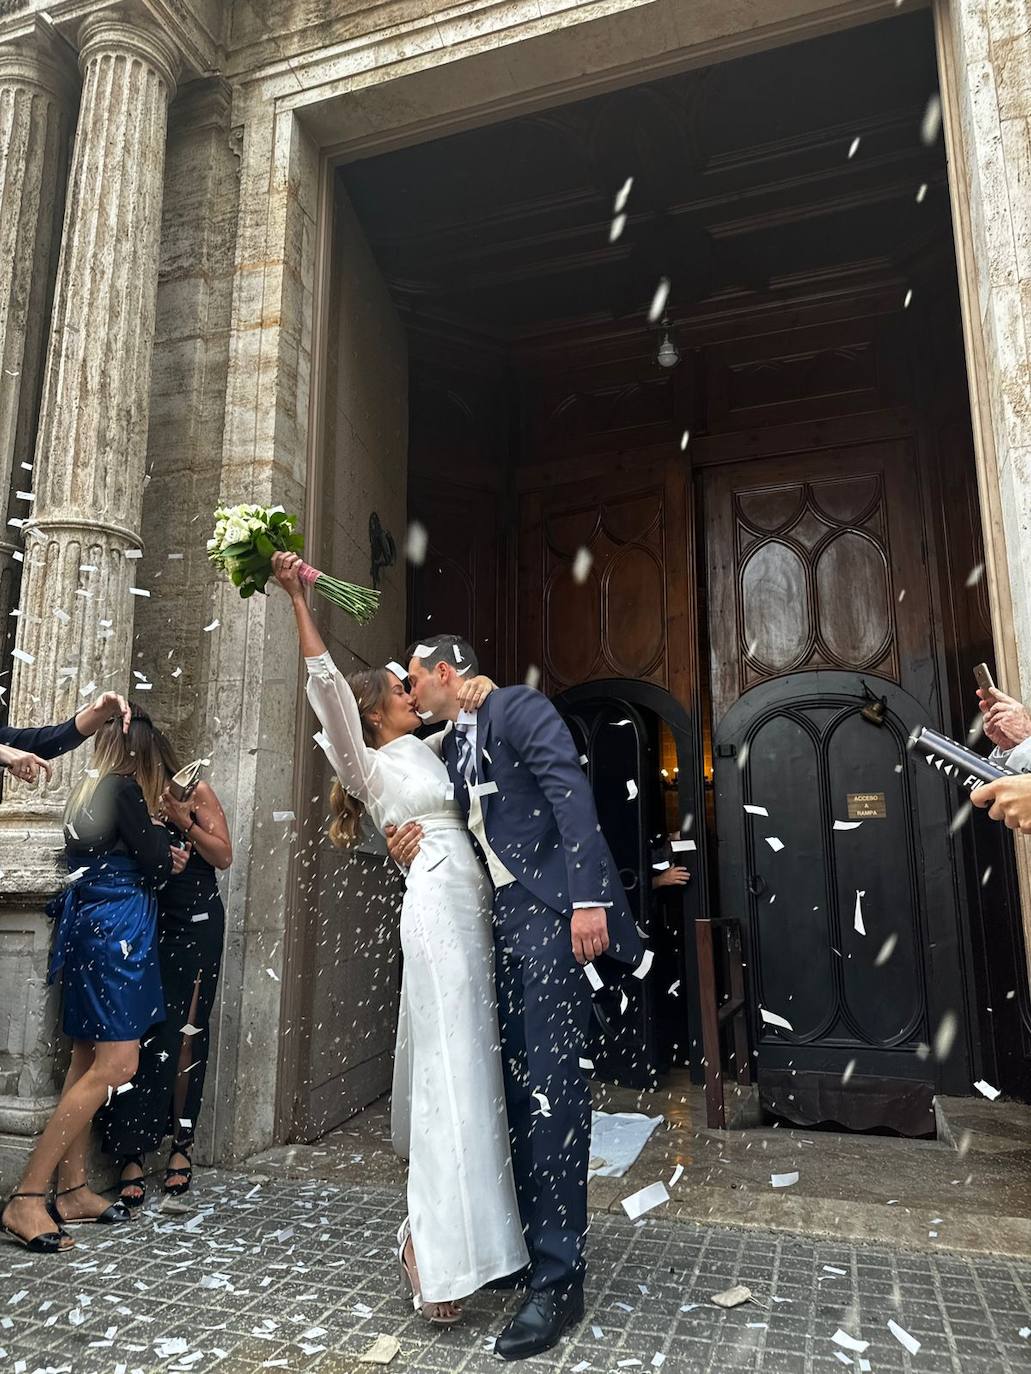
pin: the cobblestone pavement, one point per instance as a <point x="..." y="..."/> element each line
<point x="300" y="1276"/>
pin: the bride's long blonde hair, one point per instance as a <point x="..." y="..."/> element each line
<point x="371" y="687"/>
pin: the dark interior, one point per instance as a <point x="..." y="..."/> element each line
<point x="780" y="524"/>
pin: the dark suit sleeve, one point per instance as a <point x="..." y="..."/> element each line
<point x="47" y="741"/>
<point x="149" y="844"/>
<point x="540" y="737"/>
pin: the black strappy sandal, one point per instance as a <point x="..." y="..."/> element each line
<point x="179" y="1147"/>
<point x="48" y="1243"/>
<point x="132" y="1201"/>
<point x="114" y="1215"/>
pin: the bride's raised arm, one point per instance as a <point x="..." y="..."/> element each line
<point x="358" y="767"/>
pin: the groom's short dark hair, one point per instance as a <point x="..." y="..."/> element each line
<point x="451" y="649"/>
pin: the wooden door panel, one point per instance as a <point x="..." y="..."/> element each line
<point x="817" y="562"/>
<point x="817" y="586"/>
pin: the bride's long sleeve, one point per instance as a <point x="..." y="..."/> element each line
<point x="356" y="765"/>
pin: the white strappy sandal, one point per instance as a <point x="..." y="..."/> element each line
<point x="433" y="1314"/>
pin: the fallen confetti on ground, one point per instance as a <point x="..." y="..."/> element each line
<point x="300" y="1275"/>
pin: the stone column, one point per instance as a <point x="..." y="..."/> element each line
<point x="38" y="91"/>
<point x="76" y="605"/>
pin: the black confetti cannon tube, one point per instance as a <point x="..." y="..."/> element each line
<point x="956" y="762"/>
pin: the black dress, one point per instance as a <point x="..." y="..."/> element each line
<point x="191" y="931"/>
<point x="104" y="943"/>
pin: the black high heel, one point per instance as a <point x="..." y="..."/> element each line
<point x="48" y="1243"/>
<point x="114" y="1215"/>
<point x="177" y="1189"/>
<point x="127" y="1200"/>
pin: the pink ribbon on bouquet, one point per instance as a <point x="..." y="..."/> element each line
<point x="307" y="573"/>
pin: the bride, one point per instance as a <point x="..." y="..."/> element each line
<point x="448" y="1105"/>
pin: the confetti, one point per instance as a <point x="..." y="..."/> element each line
<point x="682" y="846"/>
<point x="533" y="677"/>
<point x="416" y="543"/>
<point x="582" y="565"/>
<point x="213" y="626"/>
<point x="908" y="299"/>
<point x="775" y="844"/>
<point x="616" y="227"/>
<point x="631" y="789"/>
<point x="945" y="1036"/>
<point x="886" y="950"/>
<point x="987" y="1090"/>
<point x="483" y="789"/>
<point x="394" y="667"/>
<point x="272" y="974"/>
<point x="784" y="1180"/>
<point x="860" y="928"/>
<point x="283" y="816"/>
<point x="645" y="1200"/>
<point x="854" y="147"/>
<point x="22" y="656"/>
<point x="623" y="195"/>
<point x="770" y="1018"/>
<point x="685" y="439"/>
<point x="975" y="575"/>
<point x="932" y="120"/>
<point x="138" y="591"/>
<point x="757" y="811"/>
<point x="134" y="553"/>
<point x="659" y="299"/>
<point x="678" y="1174"/>
<point x="422" y="651"/>
<point x="847" y="825"/>
<point x="595" y="979"/>
<point x="921" y="194"/>
<point x="543" y="1103"/>
<point x="903" y="1337"/>
<point x="850" y="1069"/>
<point x="849" y="1342"/>
<point x="641" y="971"/>
<point x="835" y="1270"/>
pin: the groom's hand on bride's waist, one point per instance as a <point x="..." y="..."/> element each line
<point x="403" y="843"/>
<point x="589" y="927"/>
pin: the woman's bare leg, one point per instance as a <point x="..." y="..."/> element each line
<point x="92" y="1070"/>
<point x="114" y="1063"/>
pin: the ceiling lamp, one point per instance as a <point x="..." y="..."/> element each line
<point x="668" y="354"/>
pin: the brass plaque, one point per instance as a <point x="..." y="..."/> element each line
<point x="866" y="806"/>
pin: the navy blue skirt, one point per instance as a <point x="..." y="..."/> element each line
<point x="105" y="944"/>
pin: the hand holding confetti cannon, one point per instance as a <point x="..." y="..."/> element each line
<point x="244" y="541"/>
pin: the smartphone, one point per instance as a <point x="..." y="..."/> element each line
<point x="983" y="678"/>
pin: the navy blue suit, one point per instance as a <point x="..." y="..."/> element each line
<point x="542" y="824"/>
<point x="45" y="741"/>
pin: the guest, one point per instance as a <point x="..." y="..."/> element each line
<point x="105" y="947"/>
<point x="169" y="1083"/>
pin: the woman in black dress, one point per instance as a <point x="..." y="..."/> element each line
<point x="169" y="1084"/>
<point x="105" y="947"/>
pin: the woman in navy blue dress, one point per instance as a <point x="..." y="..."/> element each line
<point x="105" y="949"/>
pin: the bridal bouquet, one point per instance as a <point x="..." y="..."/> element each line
<point x="244" y="541"/>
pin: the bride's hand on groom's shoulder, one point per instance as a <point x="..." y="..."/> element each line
<point x="474" y="692"/>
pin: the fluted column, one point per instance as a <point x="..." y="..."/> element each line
<point x="38" y="90"/>
<point x="75" y="625"/>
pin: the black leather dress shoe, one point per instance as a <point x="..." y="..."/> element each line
<point x="540" y="1322"/>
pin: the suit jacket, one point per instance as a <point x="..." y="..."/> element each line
<point x="46" y="741"/>
<point x="541" y="822"/>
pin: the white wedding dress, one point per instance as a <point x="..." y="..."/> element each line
<point x="448" y="1107"/>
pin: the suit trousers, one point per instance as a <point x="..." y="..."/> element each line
<point x="544" y="1007"/>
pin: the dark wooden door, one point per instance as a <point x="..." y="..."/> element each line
<point x="817" y="585"/>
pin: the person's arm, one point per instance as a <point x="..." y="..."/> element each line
<point x="149" y="843"/>
<point x="45" y="741"/>
<point x="203" y="824"/>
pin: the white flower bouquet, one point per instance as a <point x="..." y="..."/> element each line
<point x="244" y="541"/>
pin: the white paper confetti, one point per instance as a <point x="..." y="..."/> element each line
<point x="987" y="1090"/>
<point x="595" y="979"/>
<point x="542" y="1103"/>
<point x="659" y="299"/>
<point x="623" y="195"/>
<point x="853" y="147"/>
<point x="903" y="1337"/>
<point x="582" y="564"/>
<point x="641" y="971"/>
<point x="770" y="1018"/>
<point x="483" y="789"/>
<point x="22" y="656"/>
<point x="784" y="1180"/>
<point x="394" y="667"/>
<point x="645" y="1199"/>
<point x="857" y="922"/>
<point x="847" y="825"/>
<point x="283" y="816"/>
<point x="932" y="120"/>
<point x="416" y="543"/>
<point x="213" y="626"/>
<point x="757" y="810"/>
<point x="678" y="1174"/>
<point x="775" y="844"/>
<point x="631" y="789"/>
<point x="842" y="1338"/>
<point x="138" y="591"/>
<point x="683" y="846"/>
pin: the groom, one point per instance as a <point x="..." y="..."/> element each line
<point x="558" y="904"/>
